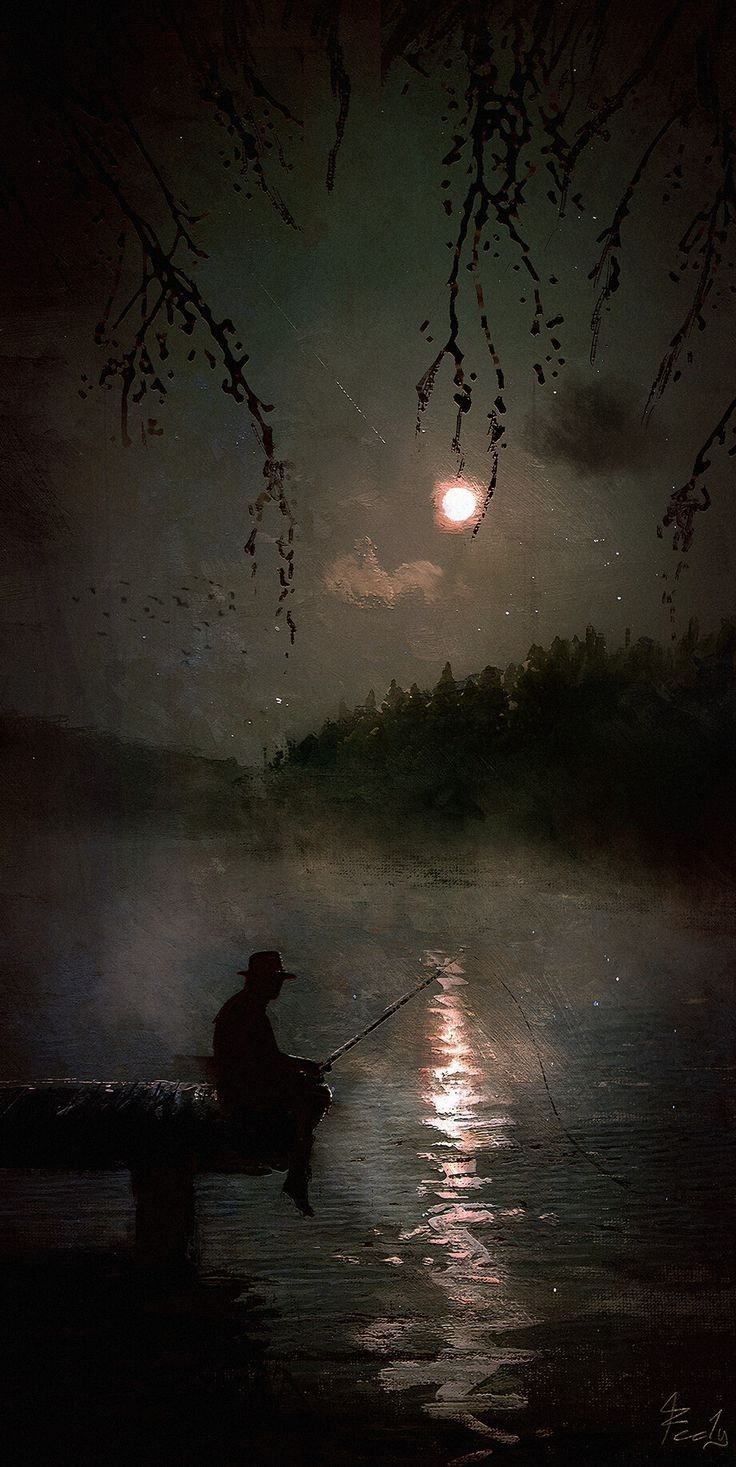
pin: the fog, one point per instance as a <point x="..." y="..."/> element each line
<point x="532" y="1138"/>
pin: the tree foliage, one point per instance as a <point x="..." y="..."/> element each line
<point x="640" y="735"/>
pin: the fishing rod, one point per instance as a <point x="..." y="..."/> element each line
<point x="350" y="1043"/>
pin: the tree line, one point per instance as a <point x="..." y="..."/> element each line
<point x="577" y="737"/>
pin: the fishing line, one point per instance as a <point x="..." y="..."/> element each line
<point x="620" y="1181"/>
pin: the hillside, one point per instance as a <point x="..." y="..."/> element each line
<point x="58" y="774"/>
<point x="631" y="748"/>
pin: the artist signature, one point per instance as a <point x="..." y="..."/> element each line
<point x="676" y="1423"/>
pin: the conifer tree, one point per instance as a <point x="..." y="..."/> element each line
<point x="395" y="697"/>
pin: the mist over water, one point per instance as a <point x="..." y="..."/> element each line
<point x="534" y="1149"/>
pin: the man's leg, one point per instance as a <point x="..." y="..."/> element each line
<point x="309" y="1103"/>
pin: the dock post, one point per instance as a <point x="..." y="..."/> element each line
<point x="165" y="1216"/>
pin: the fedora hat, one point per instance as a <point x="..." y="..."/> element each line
<point x="265" y="965"/>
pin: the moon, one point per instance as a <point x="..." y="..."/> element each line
<point x="459" y="503"/>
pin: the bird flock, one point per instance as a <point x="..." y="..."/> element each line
<point x="198" y="613"/>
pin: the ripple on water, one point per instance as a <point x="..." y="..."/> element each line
<point x="469" y="1370"/>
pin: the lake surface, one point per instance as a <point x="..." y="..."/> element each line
<point x="524" y="1190"/>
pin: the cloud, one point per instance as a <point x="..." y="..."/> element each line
<point x="360" y="579"/>
<point x="594" y="427"/>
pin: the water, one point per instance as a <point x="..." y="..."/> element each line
<point x="522" y="1193"/>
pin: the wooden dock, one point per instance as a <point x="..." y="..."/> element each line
<point x="163" y="1132"/>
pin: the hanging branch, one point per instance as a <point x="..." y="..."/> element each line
<point x="252" y="137"/>
<point x="253" y="134"/>
<point x="326" y="28"/>
<point x="693" y="497"/>
<point x="508" y="68"/>
<point x="609" y="259"/>
<point x="236" y="20"/>
<point x="168" y="293"/>
<point x="519" y="112"/>
<point x="702" y="247"/>
<point x="596" y="125"/>
<point x="413" y="27"/>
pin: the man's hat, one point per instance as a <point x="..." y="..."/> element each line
<point x="264" y="965"/>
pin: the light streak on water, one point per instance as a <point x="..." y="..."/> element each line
<point x="460" y="1107"/>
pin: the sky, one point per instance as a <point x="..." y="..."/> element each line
<point x="127" y="602"/>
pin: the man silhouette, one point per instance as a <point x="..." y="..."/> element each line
<point x="253" y="1075"/>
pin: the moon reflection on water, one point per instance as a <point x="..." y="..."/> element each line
<point x="469" y="1123"/>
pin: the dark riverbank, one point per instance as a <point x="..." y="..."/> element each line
<point x="612" y="796"/>
<point x="626" y="753"/>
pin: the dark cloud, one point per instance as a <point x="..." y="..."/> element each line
<point x="593" y="427"/>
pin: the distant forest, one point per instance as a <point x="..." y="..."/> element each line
<point x="619" y="747"/>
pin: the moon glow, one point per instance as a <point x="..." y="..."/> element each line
<point x="459" y="503"/>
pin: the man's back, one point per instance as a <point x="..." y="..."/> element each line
<point x="245" y="1051"/>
